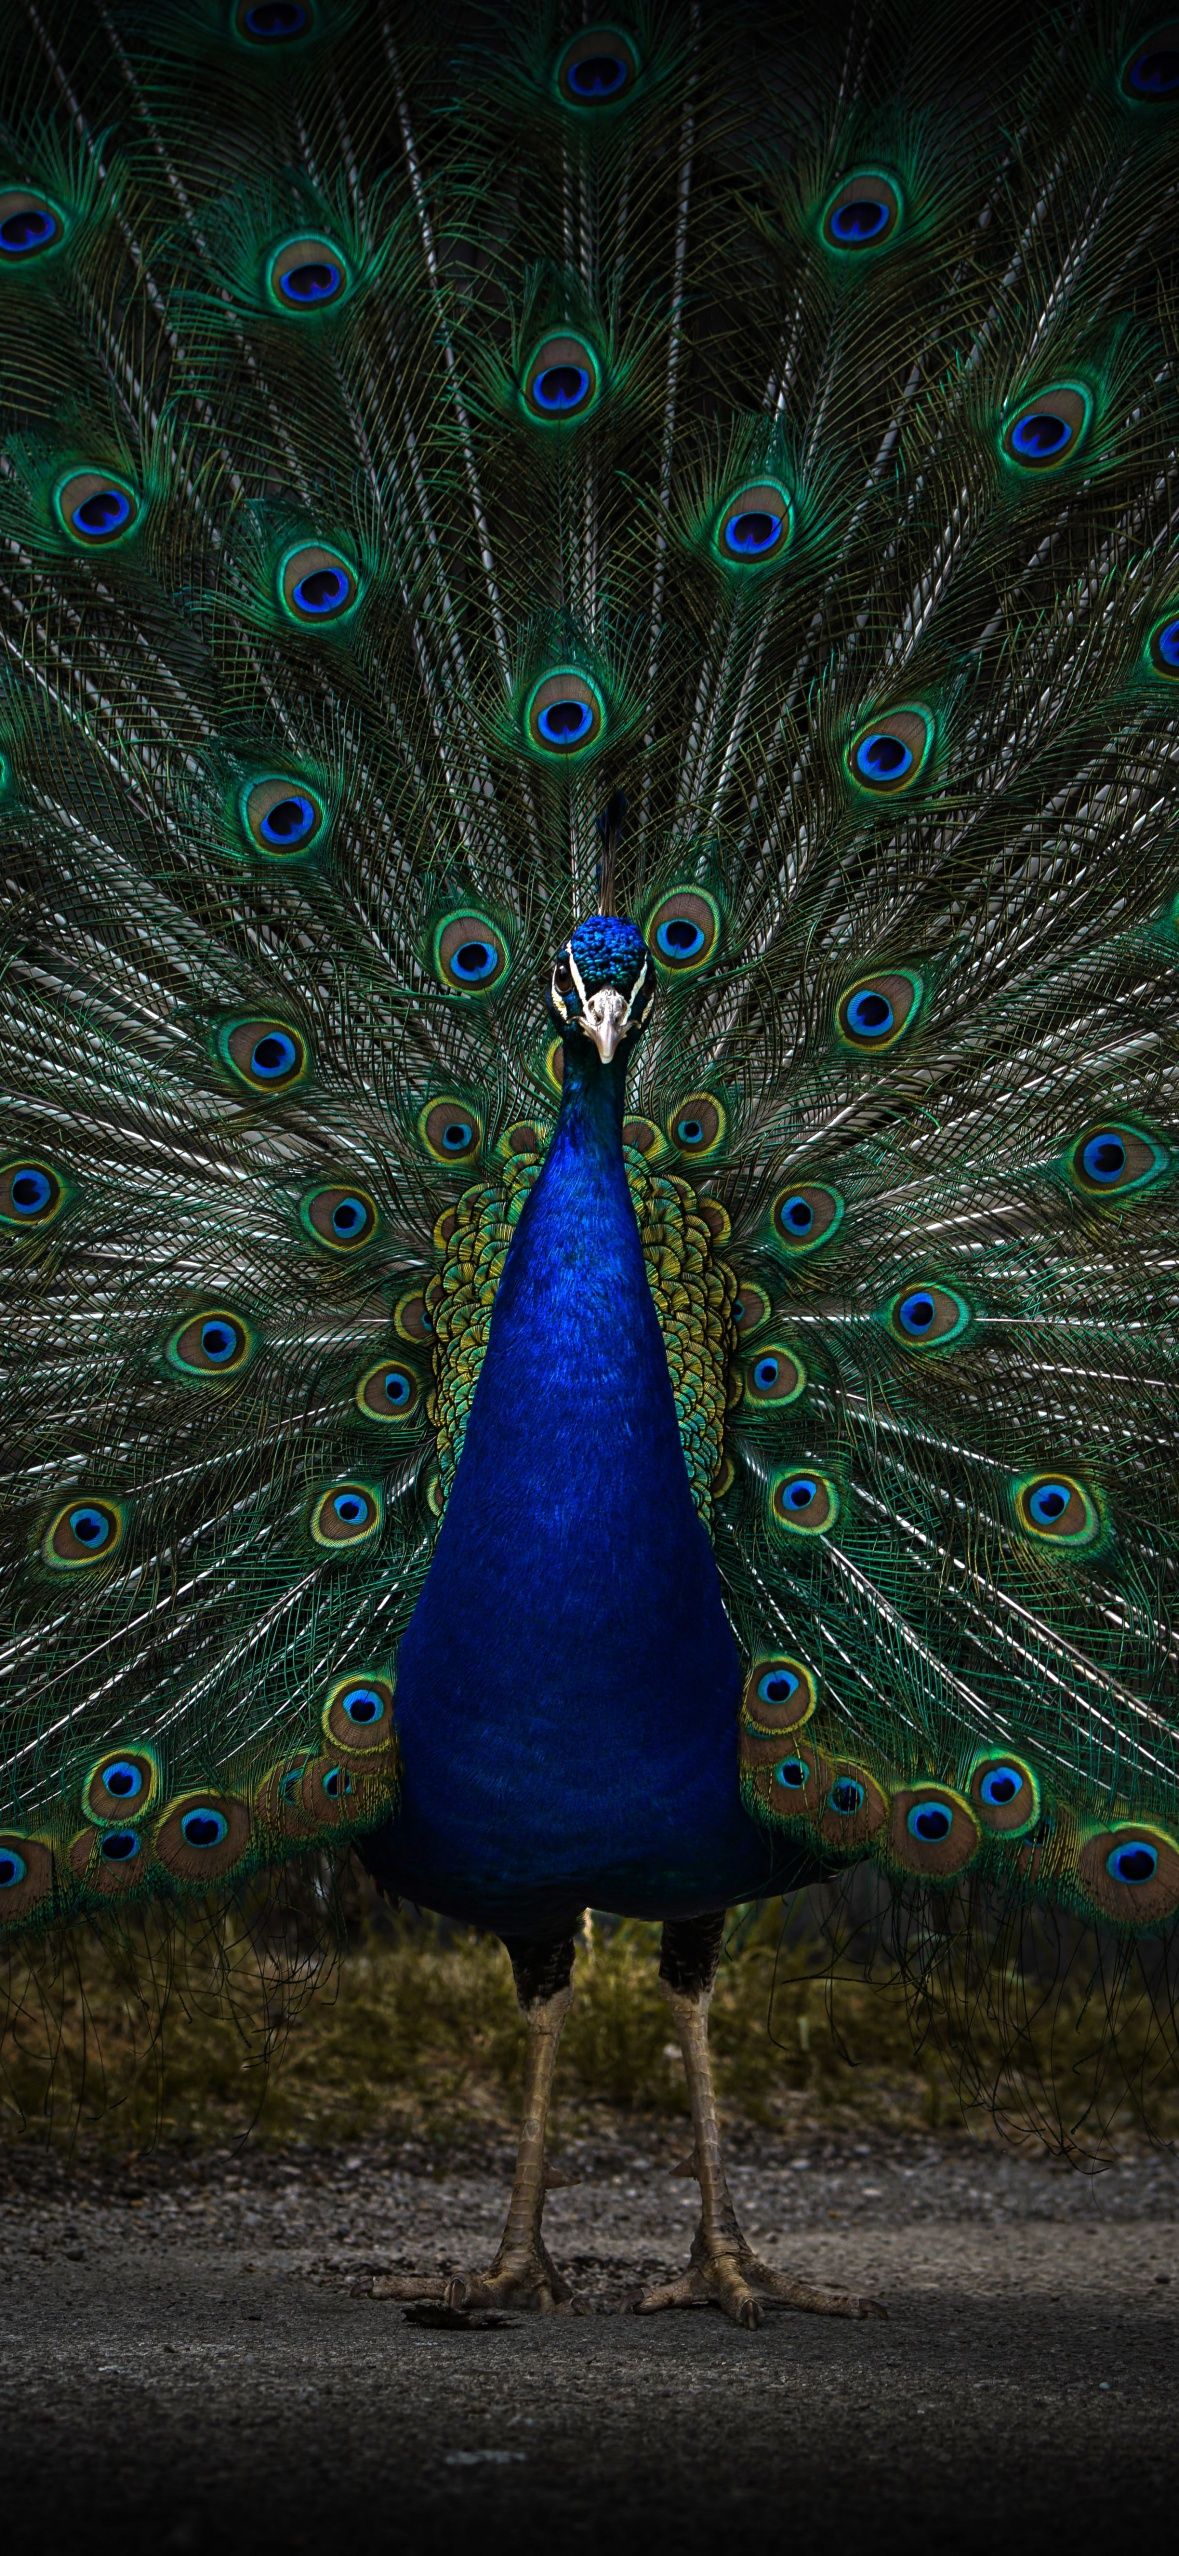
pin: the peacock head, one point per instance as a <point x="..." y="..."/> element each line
<point x="603" y="984"/>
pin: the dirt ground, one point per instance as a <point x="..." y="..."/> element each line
<point x="190" y="2358"/>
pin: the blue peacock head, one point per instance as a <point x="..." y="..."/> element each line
<point x="603" y="984"/>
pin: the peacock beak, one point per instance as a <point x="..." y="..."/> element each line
<point x="605" y="1017"/>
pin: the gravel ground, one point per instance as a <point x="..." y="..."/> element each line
<point x="190" y="2357"/>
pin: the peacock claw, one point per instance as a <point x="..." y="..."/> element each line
<point x="730" y="2277"/>
<point x="525" y="2278"/>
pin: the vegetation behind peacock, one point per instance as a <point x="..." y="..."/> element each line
<point x="462" y="479"/>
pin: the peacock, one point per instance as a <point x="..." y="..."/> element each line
<point x="589" y="730"/>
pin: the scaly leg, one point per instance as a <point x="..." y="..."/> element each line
<point x="723" y="2270"/>
<point x="523" y="2274"/>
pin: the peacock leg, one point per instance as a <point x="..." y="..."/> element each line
<point x="523" y="2274"/>
<point x="723" y="2270"/>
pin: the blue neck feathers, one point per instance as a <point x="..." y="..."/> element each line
<point x="568" y="1685"/>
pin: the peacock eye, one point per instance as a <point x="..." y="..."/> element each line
<point x="562" y="380"/>
<point x="29" y="224"/>
<point x="95" y="508"/>
<point x="338" y="1216"/>
<point x="932" y="1831"/>
<point x="1163" y="647"/>
<point x="283" y="818"/>
<point x="1131" y="1873"/>
<point x="273" y="21"/>
<point x="890" y="754"/>
<point x="774" y="1376"/>
<point x="470" y="953"/>
<point x="1049" y="429"/>
<point x="388" y="1391"/>
<point x="597" y="69"/>
<point x="451" y="1131"/>
<point x="804" y="1218"/>
<point x="265" y="1055"/>
<point x="308" y="275"/>
<point x="683" y="931"/>
<point x="317" y="585"/>
<point x="925" y="1317"/>
<point x="1004" y="1795"/>
<point x="751" y="1308"/>
<point x="82" y="1532"/>
<point x="357" y="1714"/>
<point x="31" y="1193"/>
<point x="879" y="1009"/>
<point x="211" y="1344"/>
<point x="780" y="1693"/>
<point x="807" y="1503"/>
<point x="349" y="1514"/>
<point x="756" y="525"/>
<point x="1107" y="1161"/>
<point x="698" y="1126"/>
<point x="1150" y="74"/>
<point x="863" y="212"/>
<point x="565" y="713"/>
<point x="1057" y="1507"/>
<point x="118" y="1784"/>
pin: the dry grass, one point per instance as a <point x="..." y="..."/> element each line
<point x="415" y="2032"/>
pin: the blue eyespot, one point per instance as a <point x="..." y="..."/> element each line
<point x="846" y="1797"/>
<point x="104" y="512"/>
<point x="274" y="21"/>
<point x="289" y="822"/>
<point x="800" y="1493"/>
<point x="274" y="1056"/>
<point x="883" y="757"/>
<point x="336" y="1783"/>
<point x="565" y="723"/>
<point x="870" y="1015"/>
<point x="349" y="1217"/>
<point x="778" y="1685"/>
<point x="1166" y="645"/>
<point x="916" y="1312"/>
<point x="28" y="224"/>
<point x="321" y="591"/>
<point x="398" y="1389"/>
<point x="1135" y="1862"/>
<point x="596" y="76"/>
<point x="558" y="388"/>
<point x="350" y="1507"/>
<point x="204" y="1827"/>
<point x="30" y="1191"/>
<point x="752" y="534"/>
<point x="1000" y="1786"/>
<point x="679" y="938"/>
<point x="793" y="1773"/>
<point x="218" y="1341"/>
<point x="318" y="279"/>
<point x="363" y="1705"/>
<point x="1153" y="73"/>
<point x="689" y="1131"/>
<point x="123" y="1778"/>
<point x="13" y="1868"/>
<point x="474" y="961"/>
<point x="91" y="1527"/>
<point x="853" y="224"/>
<point x="798" y="1213"/>
<point x="119" y="1846"/>
<point x="1104" y="1157"/>
<point x="1048" y="1502"/>
<point x="1041" y="436"/>
<point x="765" y="1374"/>
<point x="930" y="1822"/>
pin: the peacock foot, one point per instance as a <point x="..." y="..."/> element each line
<point x="522" y="2276"/>
<point x="725" y="2273"/>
